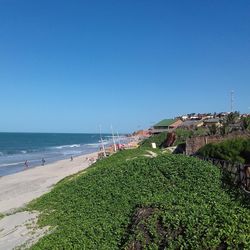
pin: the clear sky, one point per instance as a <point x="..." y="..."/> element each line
<point x="69" y="66"/>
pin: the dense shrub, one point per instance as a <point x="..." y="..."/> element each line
<point x="183" y="134"/>
<point x="235" y="150"/>
<point x="158" y="139"/>
<point x="129" y="200"/>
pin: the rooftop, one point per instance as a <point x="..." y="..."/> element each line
<point x="212" y="120"/>
<point x="165" y="123"/>
<point x="190" y="123"/>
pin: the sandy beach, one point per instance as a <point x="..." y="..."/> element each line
<point x="19" y="228"/>
<point x="18" y="189"/>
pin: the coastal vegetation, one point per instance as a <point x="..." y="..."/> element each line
<point x="245" y="121"/>
<point x="234" y="150"/>
<point x="183" y="134"/>
<point x="131" y="201"/>
<point x="158" y="139"/>
<point x="180" y="134"/>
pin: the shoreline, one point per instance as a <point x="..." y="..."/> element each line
<point x="18" y="189"/>
<point x="20" y="166"/>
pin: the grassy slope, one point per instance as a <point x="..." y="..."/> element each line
<point x="157" y="139"/>
<point x="95" y="210"/>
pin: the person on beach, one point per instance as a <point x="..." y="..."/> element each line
<point x="71" y="158"/>
<point x="43" y="161"/>
<point x="26" y="164"/>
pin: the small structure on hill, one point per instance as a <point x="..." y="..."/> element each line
<point x="191" y="124"/>
<point x="165" y="125"/>
<point x="213" y="121"/>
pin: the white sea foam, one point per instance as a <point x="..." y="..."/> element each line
<point x="17" y="163"/>
<point x="68" y="146"/>
<point x="11" y="164"/>
<point x="94" y="145"/>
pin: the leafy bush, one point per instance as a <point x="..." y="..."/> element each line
<point x="245" y="122"/>
<point x="129" y="200"/>
<point x="183" y="134"/>
<point x="158" y="139"/>
<point x="235" y="150"/>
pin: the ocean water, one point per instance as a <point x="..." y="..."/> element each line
<point x="16" y="148"/>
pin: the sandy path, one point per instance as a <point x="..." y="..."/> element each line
<point x="18" y="189"/>
<point x="20" y="230"/>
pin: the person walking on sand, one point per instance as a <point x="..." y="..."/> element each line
<point x="26" y="164"/>
<point x="71" y="158"/>
<point x="43" y="161"/>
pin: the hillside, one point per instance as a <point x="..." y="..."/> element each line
<point x="130" y="201"/>
<point x="234" y="150"/>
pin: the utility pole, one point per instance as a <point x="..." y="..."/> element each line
<point x="103" y="147"/>
<point x="232" y="100"/>
<point x="113" y="137"/>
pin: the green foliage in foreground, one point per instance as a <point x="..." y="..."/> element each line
<point x="159" y="139"/>
<point x="236" y="150"/>
<point x="129" y="200"/>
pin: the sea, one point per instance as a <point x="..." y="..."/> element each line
<point x="16" y="148"/>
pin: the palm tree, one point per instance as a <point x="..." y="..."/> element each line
<point x="232" y="118"/>
<point x="212" y="129"/>
<point x="245" y="123"/>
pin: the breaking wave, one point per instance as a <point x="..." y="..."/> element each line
<point x="68" y="146"/>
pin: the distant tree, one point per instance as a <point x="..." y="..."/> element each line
<point x="213" y="129"/>
<point x="232" y="118"/>
<point x="190" y="115"/>
<point x="245" y="123"/>
<point x="224" y="129"/>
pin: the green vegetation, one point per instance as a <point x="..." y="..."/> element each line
<point x="1" y="216"/>
<point x="245" y="121"/>
<point x="129" y="200"/>
<point x="183" y="134"/>
<point x="158" y="139"/>
<point x="232" y="118"/>
<point x="235" y="150"/>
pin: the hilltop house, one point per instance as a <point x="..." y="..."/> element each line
<point x="213" y="121"/>
<point x="165" y="126"/>
<point x="192" y="124"/>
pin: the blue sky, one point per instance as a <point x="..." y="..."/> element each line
<point x="69" y="66"/>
